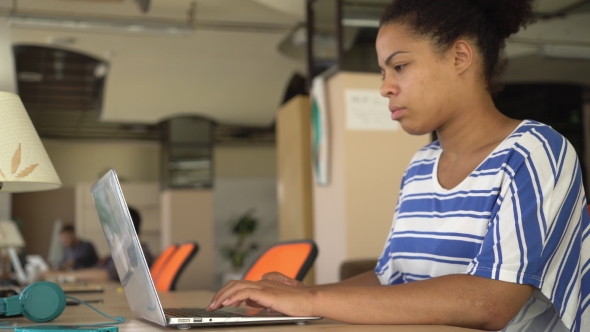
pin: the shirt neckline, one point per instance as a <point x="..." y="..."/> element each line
<point x="461" y="184"/>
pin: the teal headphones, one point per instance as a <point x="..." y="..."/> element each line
<point x="39" y="302"/>
<point x="43" y="302"/>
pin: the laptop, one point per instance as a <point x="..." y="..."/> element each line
<point x="135" y="275"/>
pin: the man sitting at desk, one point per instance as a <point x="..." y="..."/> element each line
<point x="78" y="254"/>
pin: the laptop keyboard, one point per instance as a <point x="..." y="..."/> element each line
<point x="194" y="312"/>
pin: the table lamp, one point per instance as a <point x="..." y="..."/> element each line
<point x="10" y="239"/>
<point x="24" y="163"/>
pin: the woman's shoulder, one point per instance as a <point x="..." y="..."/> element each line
<point x="541" y="146"/>
<point x="533" y="135"/>
<point x="536" y="130"/>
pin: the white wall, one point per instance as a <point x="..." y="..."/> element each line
<point x="87" y="161"/>
<point x="234" y="196"/>
<point x="245" y="177"/>
<point x="134" y="161"/>
<point x="245" y="161"/>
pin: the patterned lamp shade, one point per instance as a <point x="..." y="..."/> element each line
<point x="24" y="164"/>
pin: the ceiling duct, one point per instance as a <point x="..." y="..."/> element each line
<point x="44" y="21"/>
<point x="325" y="46"/>
<point x="63" y="92"/>
<point x="135" y="26"/>
<point x="355" y="17"/>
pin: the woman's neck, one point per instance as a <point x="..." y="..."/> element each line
<point x="477" y="125"/>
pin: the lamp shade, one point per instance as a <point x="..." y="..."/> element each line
<point x="24" y="163"/>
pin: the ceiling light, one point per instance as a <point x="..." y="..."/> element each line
<point x="101" y="70"/>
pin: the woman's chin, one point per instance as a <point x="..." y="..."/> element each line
<point x="414" y="128"/>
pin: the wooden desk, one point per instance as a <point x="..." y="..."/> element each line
<point x="115" y="304"/>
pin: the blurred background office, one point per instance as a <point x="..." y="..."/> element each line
<point x="200" y="107"/>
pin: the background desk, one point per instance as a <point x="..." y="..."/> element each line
<point x="115" y="304"/>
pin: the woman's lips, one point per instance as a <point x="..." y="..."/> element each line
<point x="396" y="112"/>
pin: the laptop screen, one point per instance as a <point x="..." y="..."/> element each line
<point x="125" y="249"/>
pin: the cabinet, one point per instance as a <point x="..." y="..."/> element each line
<point x="143" y="196"/>
<point x="352" y="214"/>
<point x="294" y="169"/>
<point x="5" y="206"/>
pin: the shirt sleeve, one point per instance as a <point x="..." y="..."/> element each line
<point x="534" y="235"/>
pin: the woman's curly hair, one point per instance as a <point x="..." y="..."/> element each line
<point x="488" y="22"/>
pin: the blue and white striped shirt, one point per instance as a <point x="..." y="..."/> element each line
<point x="519" y="217"/>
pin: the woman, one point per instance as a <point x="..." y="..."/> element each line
<point x="490" y="225"/>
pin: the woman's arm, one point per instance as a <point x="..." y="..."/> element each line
<point x="458" y="300"/>
<point x="364" y="279"/>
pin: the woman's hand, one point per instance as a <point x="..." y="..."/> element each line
<point x="275" y="291"/>
<point x="276" y="276"/>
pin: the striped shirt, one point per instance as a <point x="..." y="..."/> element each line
<point x="519" y="217"/>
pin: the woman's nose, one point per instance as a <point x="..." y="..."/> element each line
<point x="388" y="88"/>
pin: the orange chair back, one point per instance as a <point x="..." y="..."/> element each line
<point x="172" y="270"/>
<point x="292" y="259"/>
<point x="161" y="261"/>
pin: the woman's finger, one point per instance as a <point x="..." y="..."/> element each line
<point x="221" y="296"/>
<point x="215" y="298"/>
<point x="256" y="295"/>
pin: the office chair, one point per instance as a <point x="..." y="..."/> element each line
<point x="162" y="260"/>
<point x="293" y="259"/>
<point x="171" y="271"/>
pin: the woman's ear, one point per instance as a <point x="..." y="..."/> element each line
<point x="462" y="53"/>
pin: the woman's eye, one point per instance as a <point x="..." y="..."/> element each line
<point x="399" y="68"/>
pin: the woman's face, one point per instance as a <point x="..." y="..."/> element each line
<point x="418" y="81"/>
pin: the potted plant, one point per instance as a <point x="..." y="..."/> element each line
<point x="242" y="227"/>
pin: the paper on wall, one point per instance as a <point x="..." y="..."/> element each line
<point x="367" y="110"/>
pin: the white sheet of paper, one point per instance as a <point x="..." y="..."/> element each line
<point x="366" y="109"/>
